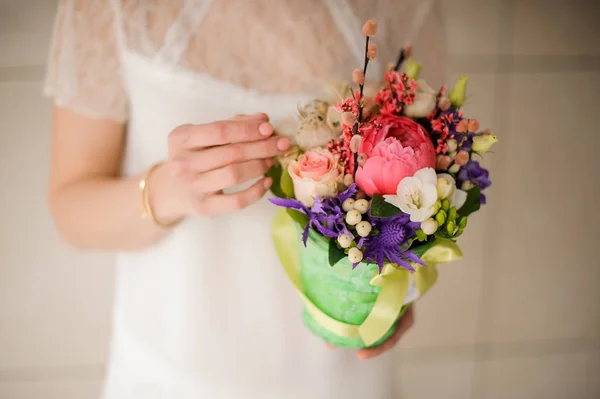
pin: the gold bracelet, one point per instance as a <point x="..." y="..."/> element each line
<point x="147" y="212"/>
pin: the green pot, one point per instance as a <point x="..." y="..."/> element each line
<point x="339" y="291"/>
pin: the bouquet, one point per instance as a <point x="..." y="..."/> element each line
<point x="374" y="194"/>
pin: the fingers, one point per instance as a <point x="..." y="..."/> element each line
<point x="217" y="157"/>
<point x="224" y="203"/>
<point x="370" y="353"/>
<point x="231" y="175"/>
<point x="243" y="129"/>
<point x="405" y="323"/>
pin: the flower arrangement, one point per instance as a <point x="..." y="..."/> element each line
<point x="378" y="187"/>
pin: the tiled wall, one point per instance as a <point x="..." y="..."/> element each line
<point x="518" y="318"/>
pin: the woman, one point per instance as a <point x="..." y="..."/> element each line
<point x="169" y="107"/>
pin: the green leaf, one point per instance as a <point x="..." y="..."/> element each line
<point x="472" y="203"/>
<point x="298" y="217"/>
<point x="275" y="174"/>
<point x="380" y="208"/>
<point x="286" y="184"/>
<point x="421" y="247"/>
<point x="335" y="253"/>
<point x="412" y="69"/>
<point x="458" y="94"/>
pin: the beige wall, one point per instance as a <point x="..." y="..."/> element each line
<point x="518" y="318"/>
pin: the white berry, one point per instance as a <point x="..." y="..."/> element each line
<point x="355" y="255"/>
<point x="345" y="240"/>
<point x="363" y="229"/>
<point x="348" y="204"/>
<point x="360" y="195"/>
<point x="454" y="168"/>
<point x="452" y="145"/>
<point x="429" y="226"/>
<point x="353" y="217"/>
<point x="361" y="205"/>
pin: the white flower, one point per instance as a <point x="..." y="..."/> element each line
<point x="425" y="101"/>
<point x="446" y="189"/>
<point x="445" y="186"/>
<point x="416" y="195"/>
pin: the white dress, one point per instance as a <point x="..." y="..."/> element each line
<point x="207" y="312"/>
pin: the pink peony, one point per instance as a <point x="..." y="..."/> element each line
<point x="316" y="173"/>
<point x="397" y="150"/>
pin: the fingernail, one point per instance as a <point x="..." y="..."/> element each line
<point x="269" y="162"/>
<point x="265" y="129"/>
<point x="283" y="144"/>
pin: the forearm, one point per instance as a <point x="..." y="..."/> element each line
<point x="104" y="213"/>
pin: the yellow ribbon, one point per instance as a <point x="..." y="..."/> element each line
<point x="393" y="282"/>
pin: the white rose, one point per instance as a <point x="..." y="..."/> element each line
<point x="416" y="195"/>
<point x="425" y="101"/>
<point x="446" y="189"/>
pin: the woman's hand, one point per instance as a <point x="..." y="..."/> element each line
<point x="206" y="159"/>
<point x="406" y="322"/>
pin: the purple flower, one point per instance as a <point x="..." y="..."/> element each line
<point x="465" y="141"/>
<point x="386" y="245"/>
<point x="474" y="173"/>
<point x="325" y="216"/>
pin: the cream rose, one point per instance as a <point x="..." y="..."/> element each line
<point x="425" y="101"/>
<point x="316" y="173"/>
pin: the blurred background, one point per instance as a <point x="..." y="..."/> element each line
<point x="519" y="317"/>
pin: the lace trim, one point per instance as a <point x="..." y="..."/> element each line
<point x="260" y="46"/>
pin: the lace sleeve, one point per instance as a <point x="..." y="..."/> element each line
<point x="84" y="72"/>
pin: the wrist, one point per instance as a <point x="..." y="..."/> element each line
<point x="165" y="196"/>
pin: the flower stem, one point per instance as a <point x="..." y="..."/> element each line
<point x="355" y="131"/>
<point x="362" y="86"/>
<point x="360" y="104"/>
<point x="401" y="58"/>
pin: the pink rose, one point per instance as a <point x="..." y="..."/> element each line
<point x="316" y="173"/>
<point x="394" y="152"/>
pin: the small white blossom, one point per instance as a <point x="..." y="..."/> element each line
<point x="416" y="195"/>
<point x="446" y="188"/>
